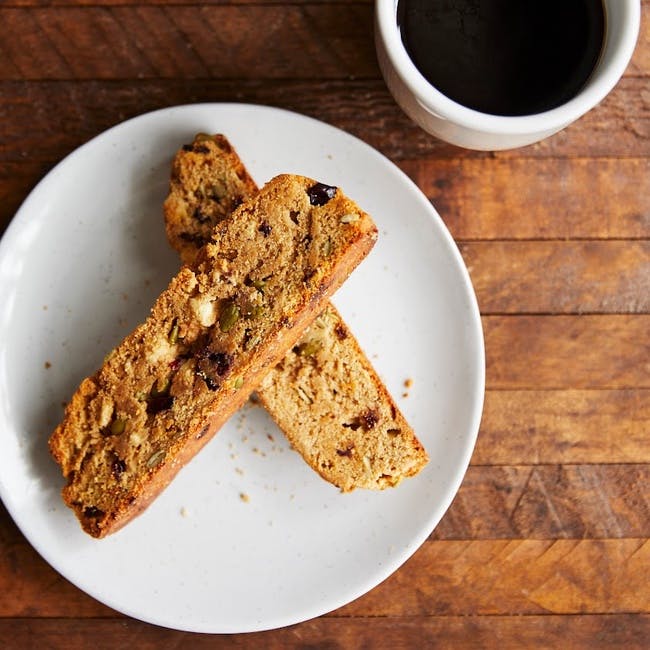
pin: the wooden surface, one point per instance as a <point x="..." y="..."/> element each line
<point x="546" y="544"/>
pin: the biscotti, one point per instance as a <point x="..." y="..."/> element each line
<point x="208" y="182"/>
<point x="210" y="338"/>
<point x="324" y="395"/>
<point x="327" y="398"/>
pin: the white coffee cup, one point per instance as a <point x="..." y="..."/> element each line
<point x="465" y="127"/>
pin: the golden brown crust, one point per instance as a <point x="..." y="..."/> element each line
<point x="323" y="401"/>
<point x="211" y="337"/>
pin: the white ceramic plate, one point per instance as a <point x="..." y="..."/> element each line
<point x="80" y="265"/>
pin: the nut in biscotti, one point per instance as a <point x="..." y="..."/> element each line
<point x="211" y="337"/>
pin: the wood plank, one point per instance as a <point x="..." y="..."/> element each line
<point x="397" y="633"/>
<point x="619" y="127"/>
<point x="563" y="198"/>
<point x="131" y="41"/>
<point x="553" y="352"/>
<point x="560" y="277"/>
<point x="596" y="199"/>
<point x="550" y="502"/>
<point x="32" y="587"/>
<point x="86" y="108"/>
<point x="16" y="181"/>
<point x="529" y="427"/>
<point x="471" y="577"/>
<point x="639" y="65"/>
<point x="479" y="578"/>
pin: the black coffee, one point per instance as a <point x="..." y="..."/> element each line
<point x="505" y="57"/>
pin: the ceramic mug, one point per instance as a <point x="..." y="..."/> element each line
<point x="472" y="129"/>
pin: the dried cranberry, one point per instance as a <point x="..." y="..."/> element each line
<point x="118" y="467"/>
<point x="93" y="512"/>
<point x="211" y="365"/>
<point x="320" y="194"/>
<point x="200" y="216"/>
<point x="222" y="362"/>
<point x="175" y="364"/>
<point x="367" y="420"/>
<point x="193" y="238"/>
<point x="340" y="331"/>
<point x="158" y="403"/>
<point x="370" y="418"/>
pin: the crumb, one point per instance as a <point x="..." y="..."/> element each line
<point x="44" y="307"/>
<point x="239" y="470"/>
<point x="405" y="394"/>
<point x="125" y="296"/>
<point x="408" y="382"/>
<point x="47" y="365"/>
<point x="184" y="512"/>
<point x="244" y="497"/>
<point x="270" y="437"/>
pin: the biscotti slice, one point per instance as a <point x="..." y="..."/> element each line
<point x="336" y="412"/>
<point x="208" y="182"/>
<point x="325" y="394"/>
<point x="212" y="335"/>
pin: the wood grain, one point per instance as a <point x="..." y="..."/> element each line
<point x="431" y="632"/>
<point x="522" y="199"/>
<point x="451" y="577"/>
<point x="546" y="543"/>
<point x="550" y="502"/>
<point x="478" y="578"/>
<point x="32" y="587"/>
<point x="131" y="41"/>
<point x="529" y="427"/>
<point x="560" y="277"/>
<point x="539" y="198"/>
<point x="552" y="352"/>
<point x="619" y="127"/>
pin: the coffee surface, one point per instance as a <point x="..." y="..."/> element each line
<point x="504" y="57"/>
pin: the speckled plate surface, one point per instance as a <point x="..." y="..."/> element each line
<point x="247" y="537"/>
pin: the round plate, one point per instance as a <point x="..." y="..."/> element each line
<point x="247" y="537"/>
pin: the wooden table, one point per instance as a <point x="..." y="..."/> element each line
<point x="546" y="544"/>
